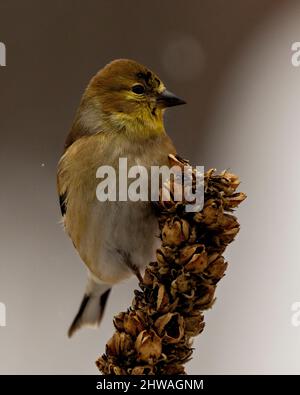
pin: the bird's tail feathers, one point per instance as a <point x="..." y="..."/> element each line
<point x="92" y="306"/>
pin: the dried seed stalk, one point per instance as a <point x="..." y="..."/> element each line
<point x="154" y="335"/>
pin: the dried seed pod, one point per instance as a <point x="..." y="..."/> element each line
<point x="175" y="232"/>
<point x="186" y="253"/>
<point x="212" y="257"/>
<point x="226" y="182"/>
<point x="160" y="258"/>
<point x="164" y="269"/>
<point x="180" y="353"/>
<point x="111" y="348"/>
<point x="102" y="364"/>
<point x="228" y="221"/>
<point x="119" y="321"/>
<point x="228" y="235"/>
<point x="170" y="327"/>
<point x="198" y="217"/>
<point x="234" y="200"/>
<point x="193" y="235"/>
<point x="161" y="322"/>
<point x="143" y="370"/>
<point x="168" y="253"/>
<point x="232" y="179"/>
<point x="148" y="345"/>
<point x="149" y="277"/>
<point x="180" y="284"/>
<point x="118" y="371"/>
<point x="206" y="296"/>
<point x="163" y="300"/>
<point x="105" y="365"/>
<point x="216" y="269"/>
<point x="212" y="212"/>
<point x="173" y="369"/>
<point x="134" y="323"/>
<point x="194" y="324"/>
<point x="198" y="262"/>
<point x="120" y="343"/>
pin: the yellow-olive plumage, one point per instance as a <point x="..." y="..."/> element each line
<point x="120" y="116"/>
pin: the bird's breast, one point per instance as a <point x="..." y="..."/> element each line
<point x="105" y="232"/>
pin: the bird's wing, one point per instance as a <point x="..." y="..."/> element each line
<point x="63" y="203"/>
<point x="61" y="189"/>
<point x="76" y="185"/>
<point x="77" y="182"/>
<point x="64" y="170"/>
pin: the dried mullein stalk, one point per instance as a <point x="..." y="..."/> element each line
<point x="154" y="336"/>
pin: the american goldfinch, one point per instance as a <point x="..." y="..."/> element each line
<point x="120" y="116"/>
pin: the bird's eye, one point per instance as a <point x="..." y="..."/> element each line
<point x="138" y="88"/>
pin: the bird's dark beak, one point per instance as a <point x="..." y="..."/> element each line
<point x="168" y="99"/>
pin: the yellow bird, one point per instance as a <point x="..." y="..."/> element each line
<point x="120" y="116"/>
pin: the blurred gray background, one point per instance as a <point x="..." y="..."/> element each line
<point x="231" y="62"/>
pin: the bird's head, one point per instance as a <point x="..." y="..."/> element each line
<point x="127" y="96"/>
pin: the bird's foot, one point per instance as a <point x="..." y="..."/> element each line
<point x="136" y="271"/>
<point x="134" y="268"/>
